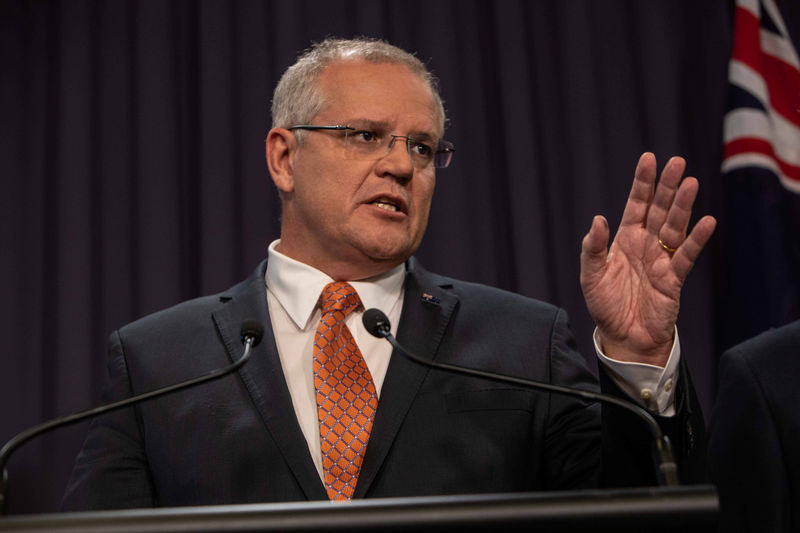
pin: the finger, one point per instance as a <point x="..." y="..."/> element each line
<point x="594" y="251"/>
<point x="641" y="194"/>
<point x="673" y="232"/>
<point x="665" y="193"/>
<point x="687" y="253"/>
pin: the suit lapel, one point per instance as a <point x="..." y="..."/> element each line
<point x="427" y="310"/>
<point x="264" y="379"/>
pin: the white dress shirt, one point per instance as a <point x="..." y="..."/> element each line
<point x="293" y="291"/>
<point x="650" y="386"/>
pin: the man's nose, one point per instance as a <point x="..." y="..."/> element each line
<point x="397" y="160"/>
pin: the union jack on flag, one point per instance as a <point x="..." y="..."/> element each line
<point x="762" y="124"/>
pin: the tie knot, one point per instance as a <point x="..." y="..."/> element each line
<point x="339" y="296"/>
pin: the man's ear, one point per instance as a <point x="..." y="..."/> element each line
<point x="281" y="146"/>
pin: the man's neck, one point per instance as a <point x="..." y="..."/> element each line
<point x="340" y="270"/>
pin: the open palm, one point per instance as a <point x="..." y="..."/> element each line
<point x="632" y="289"/>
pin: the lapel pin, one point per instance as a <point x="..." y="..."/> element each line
<point x="430" y="299"/>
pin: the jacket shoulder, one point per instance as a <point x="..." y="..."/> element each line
<point x="772" y="347"/>
<point x="192" y="313"/>
<point x="483" y="298"/>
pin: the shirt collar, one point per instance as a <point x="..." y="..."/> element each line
<point x="297" y="286"/>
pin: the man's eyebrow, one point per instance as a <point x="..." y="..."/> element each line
<point x="369" y="124"/>
<point x="382" y="125"/>
<point x="420" y="135"/>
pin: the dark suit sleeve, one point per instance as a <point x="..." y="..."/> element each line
<point x="572" y="429"/>
<point x="111" y="470"/>
<point x="745" y="451"/>
<point x="628" y="445"/>
<point x="625" y="451"/>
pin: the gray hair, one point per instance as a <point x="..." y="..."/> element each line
<point x="297" y="98"/>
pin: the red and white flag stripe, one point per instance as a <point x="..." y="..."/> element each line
<point x="765" y="65"/>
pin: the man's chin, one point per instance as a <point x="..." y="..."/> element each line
<point x="391" y="258"/>
<point x="389" y="255"/>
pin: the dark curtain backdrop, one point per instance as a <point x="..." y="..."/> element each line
<point x="133" y="177"/>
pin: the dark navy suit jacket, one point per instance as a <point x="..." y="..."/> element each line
<point x="237" y="440"/>
<point x="754" y="446"/>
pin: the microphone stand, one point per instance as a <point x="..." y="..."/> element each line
<point x="251" y="336"/>
<point x="378" y="325"/>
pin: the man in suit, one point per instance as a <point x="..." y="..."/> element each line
<point x="324" y="410"/>
<point x="754" y="433"/>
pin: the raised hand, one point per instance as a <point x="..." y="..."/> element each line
<point x="633" y="288"/>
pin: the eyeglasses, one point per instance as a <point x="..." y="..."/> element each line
<point x="372" y="144"/>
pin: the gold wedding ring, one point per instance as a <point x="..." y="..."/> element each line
<point x="665" y="247"/>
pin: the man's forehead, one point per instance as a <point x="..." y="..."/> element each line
<point x="389" y="94"/>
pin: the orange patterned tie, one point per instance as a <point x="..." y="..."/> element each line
<point x="346" y="396"/>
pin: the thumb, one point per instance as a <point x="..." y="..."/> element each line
<point x="594" y="251"/>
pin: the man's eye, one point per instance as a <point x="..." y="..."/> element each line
<point x="422" y="149"/>
<point x="364" y="136"/>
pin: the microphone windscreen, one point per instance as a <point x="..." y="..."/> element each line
<point x="376" y="322"/>
<point x="252" y="328"/>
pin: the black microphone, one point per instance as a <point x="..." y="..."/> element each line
<point x="378" y="325"/>
<point x="251" y="333"/>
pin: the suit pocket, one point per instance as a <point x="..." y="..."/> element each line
<point x="491" y="400"/>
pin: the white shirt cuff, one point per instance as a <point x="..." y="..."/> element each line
<point x="650" y="386"/>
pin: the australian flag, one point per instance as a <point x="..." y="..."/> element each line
<point x="760" y="229"/>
